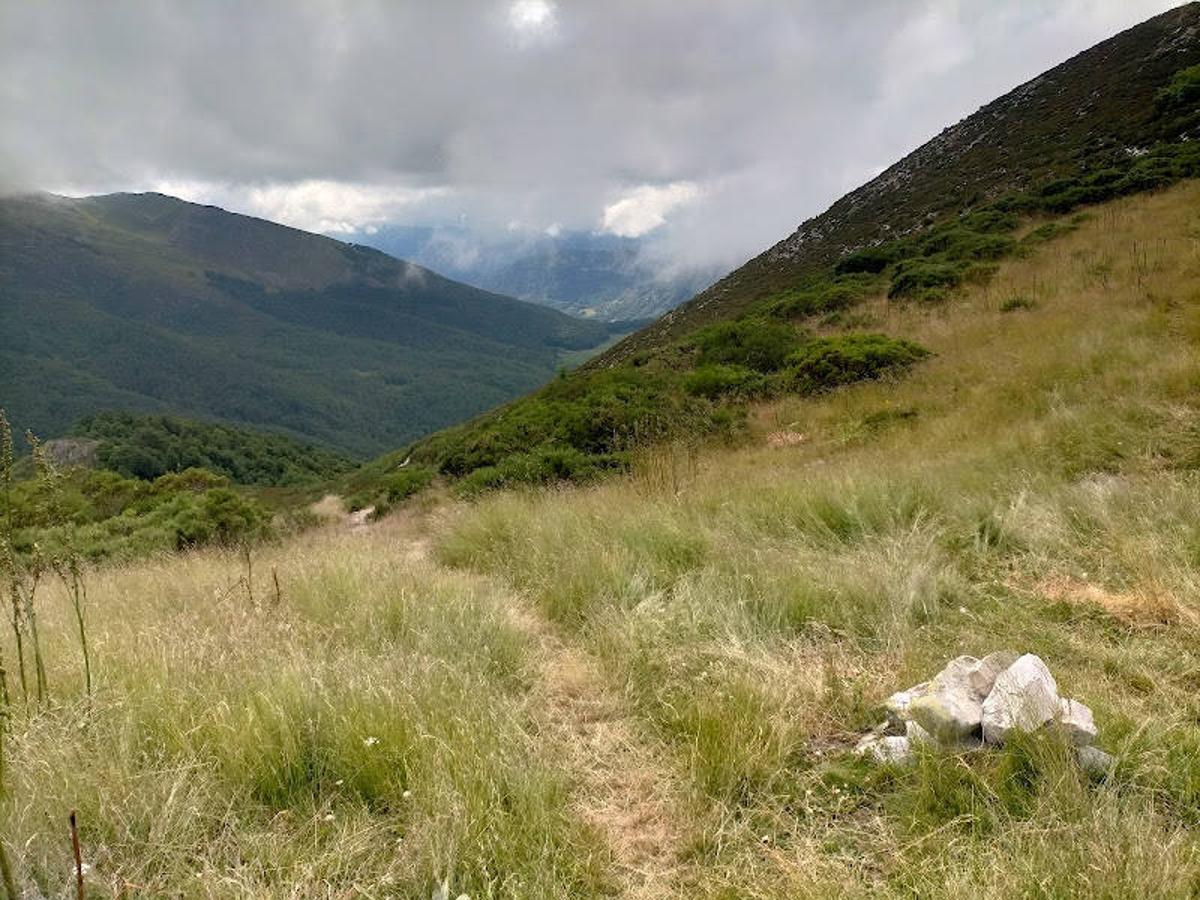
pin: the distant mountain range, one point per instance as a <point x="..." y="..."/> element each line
<point x="578" y="272"/>
<point x="147" y="303"/>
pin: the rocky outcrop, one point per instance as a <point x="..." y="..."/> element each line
<point x="973" y="703"/>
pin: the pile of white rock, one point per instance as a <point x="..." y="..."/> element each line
<point x="973" y="703"/>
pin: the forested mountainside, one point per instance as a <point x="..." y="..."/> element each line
<point x="147" y="303"/>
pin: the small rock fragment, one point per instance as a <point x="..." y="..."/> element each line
<point x="889" y="749"/>
<point x="982" y="677"/>
<point x="897" y="704"/>
<point x="1094" y="761"/>
<point x="1076" y="720"/>
<point x="1024" y="697"/>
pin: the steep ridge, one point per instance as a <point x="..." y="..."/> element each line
<point x="148" y="303"/>
<point x="1095" y="106"/>
<point x="1120" y="119"/>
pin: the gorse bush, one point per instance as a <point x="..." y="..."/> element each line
<point x="1184" y="90"/>
<point x="714" y="380"/>
<point x="831" y="362"/>
<point x="923" y="279"/>
<point x="757" y="344"/>
<point x="823" y="297"/>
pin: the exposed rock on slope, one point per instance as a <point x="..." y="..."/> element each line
<point x="1099" y="102"/>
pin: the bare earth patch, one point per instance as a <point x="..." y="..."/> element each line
<point x="779" y="439"/>
<point x="1143" y="607"/>
<point x="620" y="788"/>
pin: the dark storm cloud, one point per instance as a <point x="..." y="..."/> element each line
<point x="715" y="124"/>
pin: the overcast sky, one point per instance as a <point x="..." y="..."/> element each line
<point x="714" y="126"/>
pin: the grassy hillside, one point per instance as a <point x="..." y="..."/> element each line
<point x="147" y="303"/>
<point x="650" y="687"/>
<point x="1090" y="114"/>
<point x="1117" y="120"/>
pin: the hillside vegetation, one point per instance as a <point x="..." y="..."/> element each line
<point x="1117" y="120"/>
<point x="650" y="686"/>
<point x="138" y="446"/>
<point x="147" y="303"/>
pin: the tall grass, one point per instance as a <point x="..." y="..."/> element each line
<point x="1034" y="485"/>
<point x="369" y="724"/>
<point x="367" y="735"/>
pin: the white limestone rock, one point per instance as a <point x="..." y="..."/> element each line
<point x="887" y="749"/>
<point x="951" y="710"/>
<point x="1024" y="697"/>
<point x="1076" y="720"/>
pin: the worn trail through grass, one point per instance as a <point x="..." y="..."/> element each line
<point x="620" y="786"/>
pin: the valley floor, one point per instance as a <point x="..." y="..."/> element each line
<point x="649" y="688"/>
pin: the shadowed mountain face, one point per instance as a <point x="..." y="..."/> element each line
<point x="148" y="303"/>
<point x="1095" y="106"/>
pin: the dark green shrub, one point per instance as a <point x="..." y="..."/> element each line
<point x="756" y="344"/>
<point x="822" y="298"/>
<point x="715" y="381"/>
<point x="830" y="362"/>
<point x="958" y="244"/>
<point x="407" y="482"/>
<point x="1182" y="92"/>
<point x="991" y="221"/>
<point x="218" y="516"/>
<point x="871" y="260"/>
<point x="924" y="279"/>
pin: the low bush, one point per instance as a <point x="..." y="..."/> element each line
<point x="714" y="381"/>
<point x="1182" y="92"/>
<point x="870" y="260"/>
<point x="921" y="279"/>
<point x="823" y="297"/>
<point x="831" y="362"/>
<point x="757" y="344"/>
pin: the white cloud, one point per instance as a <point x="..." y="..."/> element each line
<point x="645" y="208"/>
<point x="327" y="115"/>
<point x="333" y="207"/>
<point x="532" y="18"/>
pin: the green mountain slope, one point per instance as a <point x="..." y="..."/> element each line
<point x="1088" y="114"/>
<point x="149" y="303"/>
<point x="1119" y="119"/>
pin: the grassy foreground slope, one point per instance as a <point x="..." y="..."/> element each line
<point x="649" y="687"/>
